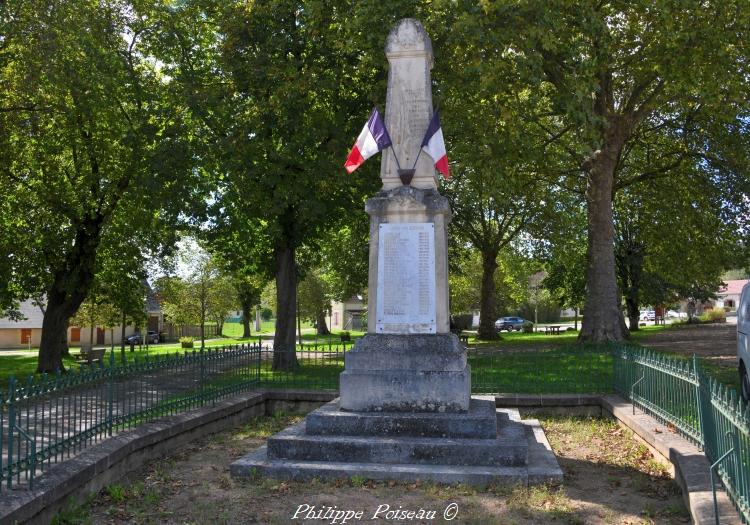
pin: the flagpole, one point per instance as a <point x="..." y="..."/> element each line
<point x="398" y="165"/>
<point x="415" y="160"/>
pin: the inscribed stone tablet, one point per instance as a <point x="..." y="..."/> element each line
<point x="406" y="279"/>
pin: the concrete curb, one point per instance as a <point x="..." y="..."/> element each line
<point x="689" y="463"/>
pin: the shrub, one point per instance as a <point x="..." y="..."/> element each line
<point x="345" y="336"/>
<point x="714" y="315"/>
<point x="266" y="314"/>
<point x="528" y="327"/>
<point x="186" y="342"/>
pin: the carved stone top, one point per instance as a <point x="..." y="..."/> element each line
<point x="407" y="197"/>
<point x="407" y="39"/>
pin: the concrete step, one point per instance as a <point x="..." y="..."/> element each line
<point x="480" y="422"/>
<point x="257" y="464"/>
<point x="294" y="444"/>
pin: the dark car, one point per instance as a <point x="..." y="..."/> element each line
<point x="135" y="339"/>
<point x="509" y="324"/>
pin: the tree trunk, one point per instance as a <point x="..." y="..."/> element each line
<point x="70" y="286"/>
<point x="601" y="312"/>
<point x="487" y="304"/>
<point x="575" y="319"/>
<point x="321" y="325"/>
<point x="246" y="312"/>
<point x="284" y="354"/>
<point x="54" y="336"/>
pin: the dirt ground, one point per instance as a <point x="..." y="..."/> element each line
<point x="609" y="478"/>
<point x="716" y="342"/>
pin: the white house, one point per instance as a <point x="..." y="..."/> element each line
<point x="348" y="315"/>
<point x="27" y="332"/>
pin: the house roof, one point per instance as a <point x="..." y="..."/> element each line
<point x="32" y="314"/>
<point x="733" y="287"/>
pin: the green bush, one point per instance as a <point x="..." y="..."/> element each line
<point x="345" y="336"/>
<point x="186" y="342"/>
<point x="528" y="327"/>
<point x="266" y="314"/>
<point x="714" y="315"/>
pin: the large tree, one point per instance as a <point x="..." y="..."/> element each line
<point x="279" y="99"/>
<point x="612" y="71"/>
<point x="92" y="148"/>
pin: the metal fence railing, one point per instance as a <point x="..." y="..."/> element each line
<point x="679" y="392"/>
<point x="49" y="419"/>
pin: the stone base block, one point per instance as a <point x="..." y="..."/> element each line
<point x="405" y="390"/>
<point x="424" y="352"/>
<point x="480" y="422"/>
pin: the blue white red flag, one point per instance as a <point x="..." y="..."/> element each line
<point x="434" y="145"/>
<point x="373" y="138"/>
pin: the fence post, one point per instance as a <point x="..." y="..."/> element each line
<point x="699" y="401"/>
<point x="11" y="425"/>
<point x="110" y="393"/>
<point x="201" y="380"/>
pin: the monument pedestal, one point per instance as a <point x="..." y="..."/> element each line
<point x="401" y="373"/>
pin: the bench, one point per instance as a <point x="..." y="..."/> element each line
<point x="464" y="339"/>
<point x="91" y="355"/>
<point x="554" y="330"/>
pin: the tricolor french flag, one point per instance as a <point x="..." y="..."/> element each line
<point x="373" y="138"/>
<point x="434" y="145"/>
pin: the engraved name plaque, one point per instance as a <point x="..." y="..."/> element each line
<point x="406" y="279"/>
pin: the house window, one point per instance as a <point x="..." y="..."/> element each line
<point x="335" y="318"/>
<point x="25" y="336"/>
<point x="75" y="335"/>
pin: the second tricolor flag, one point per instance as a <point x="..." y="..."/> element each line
<point x="373" y="138"/>
<point x="434" y="145"/>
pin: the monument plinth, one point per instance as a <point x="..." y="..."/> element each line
<point x="406" y="410"/>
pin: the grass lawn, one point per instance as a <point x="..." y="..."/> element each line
<point x="509" y="339"/>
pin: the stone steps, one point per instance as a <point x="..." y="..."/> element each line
<point x="480" y="422"/>
<point x="294" y="444"/>
<point x="258" y="464"/>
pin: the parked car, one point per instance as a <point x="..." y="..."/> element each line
<point x="648" y="315"/>
<point x="509" y="324"/>
<point x="743" y="342"/>
<point x="674" y="314"/>
<point x="135" y="339"/>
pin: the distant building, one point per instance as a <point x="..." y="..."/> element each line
<point x="729" y="296"/>
<point x="28" y="331"/>
<point x="349" y="315"/>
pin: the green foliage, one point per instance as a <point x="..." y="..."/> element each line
<point x="95" y="153"/>
<point x="714" y="315"/>
<point x="528" y="327"/>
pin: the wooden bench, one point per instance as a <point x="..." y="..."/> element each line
<point x="554" y="330"/>
<point x="91" y="355"/>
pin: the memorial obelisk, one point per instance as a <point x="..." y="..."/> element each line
<point x="409" y="360"/>
<point x="405" y="410"/>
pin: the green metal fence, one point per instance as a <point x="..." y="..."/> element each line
<point x="49" y="419"/>
<point x="680" y="393"/>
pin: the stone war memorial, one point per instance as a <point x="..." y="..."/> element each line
<point x="405" y="410"/>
